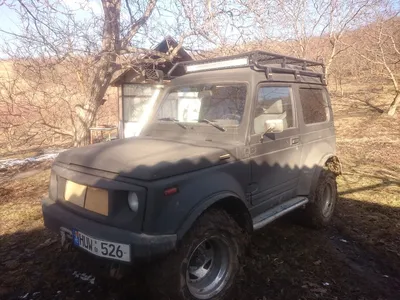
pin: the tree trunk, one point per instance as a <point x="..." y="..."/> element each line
<point x="86" y="114"/>
<point x="341" y="88"/>
<point x="328" y="65"/>
<point x="394" y="104"/>
<point x="106" y="65"/>
<point x="82" y="135"/>
<point x="105" y="68"/>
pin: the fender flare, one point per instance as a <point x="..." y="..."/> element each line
<point x="203" y="206"/>
<point x="331" y="162"/>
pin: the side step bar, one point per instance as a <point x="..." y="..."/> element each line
<point x="278" y="211"/>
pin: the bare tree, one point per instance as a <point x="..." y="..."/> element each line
<point x="64" y="61"/>
<point x="315" y="28"/>
<point x="379" y="45"/>
<point x="343" y="15"/>
<point x="67" y="57"/>
<point x="64" y="53"/>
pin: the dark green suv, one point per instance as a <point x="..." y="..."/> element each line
<point x="233" y="144"/>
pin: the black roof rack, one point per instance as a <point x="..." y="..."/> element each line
<point x="266" y="61"/>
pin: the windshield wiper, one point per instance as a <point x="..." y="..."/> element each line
<point x="173" y="120"/>
<point x="212" y="124"/>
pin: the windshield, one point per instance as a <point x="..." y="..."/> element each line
<point x="218" y="103"/>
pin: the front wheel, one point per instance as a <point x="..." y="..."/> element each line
<point x="206" y="263"/>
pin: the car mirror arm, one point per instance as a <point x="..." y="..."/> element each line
<point x="268" y="134"/>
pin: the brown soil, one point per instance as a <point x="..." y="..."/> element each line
<point x="357" y="257"/>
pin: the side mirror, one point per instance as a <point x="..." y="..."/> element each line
<point x="272" y="127"/>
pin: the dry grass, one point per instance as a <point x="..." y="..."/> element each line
<point x="20" y="203"/>
<point x="368" y="145"/>
<point x="369" y="211"/>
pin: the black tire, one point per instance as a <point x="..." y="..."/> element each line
<point x="169" y="279"/>
<point x="319" y="211"/>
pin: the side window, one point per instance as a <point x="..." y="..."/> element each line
<point x="274" y="111"/>
<point x="314" y="105"/>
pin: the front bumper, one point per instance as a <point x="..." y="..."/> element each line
<point x="143" y="247"/>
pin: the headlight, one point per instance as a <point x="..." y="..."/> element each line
<point x="133" y="201"/>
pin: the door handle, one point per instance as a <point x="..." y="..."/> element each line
<point x="294" y="140"/>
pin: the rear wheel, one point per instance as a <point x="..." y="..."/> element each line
<point x="319" y="212"/>
<point x="206" y="263"/>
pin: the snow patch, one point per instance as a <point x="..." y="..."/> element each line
<point x="12" y="162"/>
<point x="84" y="277"/>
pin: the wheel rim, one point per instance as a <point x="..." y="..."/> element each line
<point x="328" y="200"/>
<point x="209" y="268"/>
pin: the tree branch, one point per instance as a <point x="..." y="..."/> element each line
<point x="135" y="26"/>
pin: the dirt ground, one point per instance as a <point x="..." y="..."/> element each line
<point x="357" y="257"/>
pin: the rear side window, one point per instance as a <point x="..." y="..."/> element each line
<point x="315" y="105"/>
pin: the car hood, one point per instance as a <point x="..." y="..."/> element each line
<point x="148" y="158"/>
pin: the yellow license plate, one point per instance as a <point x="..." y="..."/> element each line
<point x="97" y="200"/>
<point x="75" y="193"/>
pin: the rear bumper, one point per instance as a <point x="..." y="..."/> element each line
<point x="143" y="247"/>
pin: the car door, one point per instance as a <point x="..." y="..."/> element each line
<point x="274" y="156"/>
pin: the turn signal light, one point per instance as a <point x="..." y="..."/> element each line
<point x="170" y="191"/>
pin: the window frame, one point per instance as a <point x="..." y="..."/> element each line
<point x="291" y="87"/>
<point x="328" y="107"/>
